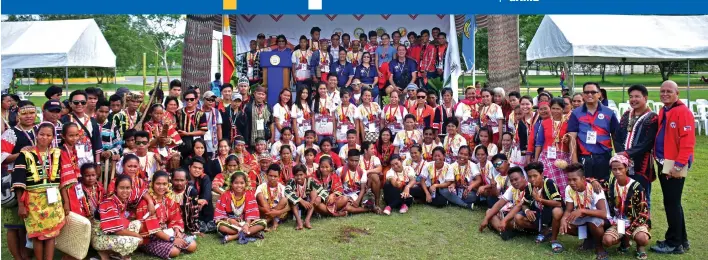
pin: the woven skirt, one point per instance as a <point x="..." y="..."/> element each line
<point x="44" y="221"/>
<point x="123" y="245"/>
<point x="225" y="223"/>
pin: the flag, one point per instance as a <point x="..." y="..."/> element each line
<point x="452" y="69"/>
<point x="227" y="52"/>
<point x="468" y="32"/>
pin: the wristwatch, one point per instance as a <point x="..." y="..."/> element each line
<point x="172" y="239"/>
<point x="678" y="169"/>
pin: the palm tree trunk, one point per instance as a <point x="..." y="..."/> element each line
<point x="196" y="56"/>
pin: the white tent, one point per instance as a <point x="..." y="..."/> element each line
<point x="44" y="44"/>
<point x="619" y="38"/>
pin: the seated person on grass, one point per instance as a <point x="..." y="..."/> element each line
<point x="585" y="210"/>
<point x="434" y="180"/>
<point x="460" y="192"/>
<point x="483" y="180"/>
<point x="629" y="209"/>
<point x="501" y="215"/>
<point x="236" y="213"/>
<point x="543" y="207"/>
<point x="271" y="199"/>
<point x="303" y="193"/>
<point x="399" y="182"/>
<point x="335" y="203"/>
<point x="371" y="164"/>
<point x="355" y="183"/>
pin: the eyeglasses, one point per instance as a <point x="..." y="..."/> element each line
<point x="590" y="92"/>
<point x="79" y="102"/>
<point x="190" y="99"/>
<point x="422" y="97"/>
<point x="498" y="164"/>
<point x="141" y="142"/>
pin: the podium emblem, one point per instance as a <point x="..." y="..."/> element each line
<point x="274" y="60"/>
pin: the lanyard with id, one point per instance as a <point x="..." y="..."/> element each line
<point x="591" y="136"/>
<point x="52" y="192"/>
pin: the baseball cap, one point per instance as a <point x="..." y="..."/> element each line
<point x="208" y="94"/>
<point x="236" y="96"/>
<point x="52" y="105"/>
<point x="412" y="87"/>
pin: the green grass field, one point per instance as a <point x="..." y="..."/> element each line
<point x="610" y="80"/>
<point x="448" y="233"/>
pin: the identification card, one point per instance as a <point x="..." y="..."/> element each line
<point x="591" y="137"/>
<point x="343" y="129"/>
<point x="81" y="151"/>
<point x="163" y="151"/>
<point x="372" y="128"/>
<point x="79" y="191"/>
<point x="260" y="124"/>
<point x="551" y="153"/>
<point x="621" y="226"/>
<point x="207" y="136"/>
<point x="249" y="73"/>
<point x="52" y="195"/>
<point x="582" y="232"/>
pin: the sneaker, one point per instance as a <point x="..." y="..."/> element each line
<point x="403" y="209"/>
<point x="665" y="248"/>
<point x="387" y="210"/>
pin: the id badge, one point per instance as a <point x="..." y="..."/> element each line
<point x="551" y="153"/>
<point x="260" y="124"/>
<point x="591" y="137"/>
<point x="80" y="150"/>
<point x="207" y="136"/>
<point x="163" y="151"/>
<point x="582" y="232"/>
<point x="344" y="129"/>
<point x="621" y="226"/>
<point x="372" y="128"/>
<point x="52" y="195"/>
<point x="79" y="191"/>
<point x="249" y="73"/>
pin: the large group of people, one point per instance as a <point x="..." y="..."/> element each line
<point x="155" y="176"/>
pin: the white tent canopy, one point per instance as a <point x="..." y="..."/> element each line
<point x="44" y="44"/>
<point x="619" y="38"/>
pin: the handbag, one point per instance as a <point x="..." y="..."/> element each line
<point x="75" y="237"/>
<point x="9" y="200"/>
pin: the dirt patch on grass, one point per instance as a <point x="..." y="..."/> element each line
<point x="347" y="234"/>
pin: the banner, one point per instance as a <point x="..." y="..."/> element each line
<point x="228" y="64"/>
<point x="468" y="32"/>
<point x="293" y="26"/>
<point x="452" y="70"/>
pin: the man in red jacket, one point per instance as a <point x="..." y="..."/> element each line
<point x="673" y="151"/>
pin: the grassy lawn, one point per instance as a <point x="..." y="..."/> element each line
<point x="149" y="72"/>
<point x="448" y="233"/>
<point x="610" y="80"/>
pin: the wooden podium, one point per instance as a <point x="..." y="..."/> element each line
<point x="276" y="73"/>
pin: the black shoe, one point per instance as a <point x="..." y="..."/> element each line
<point x="686" y="246"/>
<point x="665" y="248"/>
<point x="506" y="235"/>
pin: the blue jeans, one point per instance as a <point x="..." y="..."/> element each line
<point x="457" y="198"/>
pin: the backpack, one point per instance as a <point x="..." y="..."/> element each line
<point x="9" y="199"/>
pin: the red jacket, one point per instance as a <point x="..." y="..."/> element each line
<point x="678" y="131"/>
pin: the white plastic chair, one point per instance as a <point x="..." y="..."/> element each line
<point x="617" y="112"/>
<point x="623" y="107"/>
<point x="611" y="103"/>
<point x="701" y="101"/>
<point x="684" y="101"/>
<point x="702" y="119"/>
<point x="657" y="106"/>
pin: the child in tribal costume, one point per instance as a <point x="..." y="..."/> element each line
<point x="305" y="192"/>
<point x="543" y="207"/>
<point x="272" y="203"/>
<point x="500" y="217"/>
<point x="354" y="184"/>
<point x="236" y="213"/>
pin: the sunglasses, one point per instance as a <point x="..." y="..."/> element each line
<point x="190" y="99"/>
<point x="590" y="92"/>
<point x="498" y="164"/>
<point x="422" y="97"/>
<point x="79" y="102"/>
<point x="141" y="142"/>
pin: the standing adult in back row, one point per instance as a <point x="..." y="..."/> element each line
<point x="673" y="150"/>
<point x="592" y="127"/>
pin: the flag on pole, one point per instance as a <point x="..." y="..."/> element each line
<point x="227" y="51"/>
<point x="469" y="30"/>
<point x="452" y="69"/>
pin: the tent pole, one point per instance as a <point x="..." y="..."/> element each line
<point x="688" y="84"/>
<point x="115" y="74"/>
<point x="623" y="77"/>
<point x="572" y="70"/>
<point x="66" y="81"/>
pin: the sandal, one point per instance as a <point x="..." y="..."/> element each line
<point x="602" y="256"/>
<point x="540" y="238"/>
<point x="225" y="239"/>
<point x="556" y="247"/>
<point x="622" y="249"/>
<point x="642" y="255"/>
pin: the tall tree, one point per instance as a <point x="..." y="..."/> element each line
<point x="528" y="25"/>
<point x="163" y="32"/>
